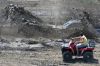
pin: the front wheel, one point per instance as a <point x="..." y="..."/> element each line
<point x="87" y="56"/>
<point x="67" y="56"/>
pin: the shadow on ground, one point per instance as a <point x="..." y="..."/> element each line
<point x="93" y="61"/>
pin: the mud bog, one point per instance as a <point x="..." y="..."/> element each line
<point x="45" y="57"/>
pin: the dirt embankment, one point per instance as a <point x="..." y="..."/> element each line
<point x="17" y="21"/>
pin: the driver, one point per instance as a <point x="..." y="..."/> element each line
<point x="82" y="41"/>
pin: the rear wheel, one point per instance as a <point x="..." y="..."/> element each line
<point x="87" y="56"/>
<point x="67" y="56"/>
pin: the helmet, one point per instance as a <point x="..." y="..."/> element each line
<point x="81" y="34"/>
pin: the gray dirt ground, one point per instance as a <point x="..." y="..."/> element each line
<point x="50" y="57"/>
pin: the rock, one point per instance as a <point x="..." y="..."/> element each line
<point x="32" y="42"/>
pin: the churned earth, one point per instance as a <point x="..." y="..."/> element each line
<point x="49" y="56"/>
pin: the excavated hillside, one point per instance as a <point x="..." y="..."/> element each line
<point x="87" y="21"/>
<point x="24" y="22"/>
<point x="16" y="20"/>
